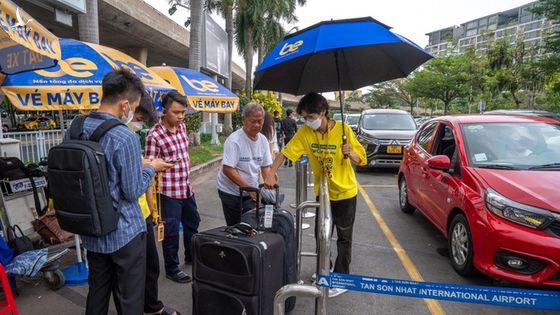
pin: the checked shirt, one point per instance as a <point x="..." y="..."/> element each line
<point x="168" y="146"/>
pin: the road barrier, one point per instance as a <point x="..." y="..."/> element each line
<point x="512" y="297"/>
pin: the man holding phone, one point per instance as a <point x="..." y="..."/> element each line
<point x="168" y="140"/>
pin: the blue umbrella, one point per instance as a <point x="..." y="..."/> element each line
<point x="338" y="55"/>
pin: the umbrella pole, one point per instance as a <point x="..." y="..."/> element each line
<point x="344" y="139"/>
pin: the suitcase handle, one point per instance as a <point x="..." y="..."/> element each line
<point x="277" y="193"/>
<point x="258" y="202"/>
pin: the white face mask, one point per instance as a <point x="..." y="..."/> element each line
<point x="314" y="124"/>
<point x="135" y="126"/>
<point x="128" y="118"/>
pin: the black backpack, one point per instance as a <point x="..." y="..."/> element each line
<point x="11" y="169"/>
<point x="79" y="184"/>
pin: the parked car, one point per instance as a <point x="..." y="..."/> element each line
<point x="352" y="121"/>
<point x="421" y="119"/>
<point x="36" y="123"/>
<point x="384" y="133"/>
<point x="523" y="112"/>
<point x="489" y="183"/>
<point x="338" y="116"/>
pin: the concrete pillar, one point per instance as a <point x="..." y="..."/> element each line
<point x="139" y="53"/>
<point x="88" y="24"/>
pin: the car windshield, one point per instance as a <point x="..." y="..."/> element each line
<point x="513" y="145"/>
<point x="352" y="120"/>
<point x="388" y="122"/>
<point x="338" y="117"/>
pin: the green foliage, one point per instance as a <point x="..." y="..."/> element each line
<point x="205" y="137"/>
<point x="193" y="122"/>
<point x="268" y="100"/>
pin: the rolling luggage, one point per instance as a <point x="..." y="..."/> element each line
<point x="234" y="273"/>
<point x="282" y="224"/>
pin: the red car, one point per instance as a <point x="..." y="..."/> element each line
<point x="491" y="185"/>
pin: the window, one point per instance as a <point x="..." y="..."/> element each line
<point x="471" y="32"/>
<point x="426" y="136"/>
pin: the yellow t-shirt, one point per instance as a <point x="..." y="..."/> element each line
<point x="326" y="148"/>
<point x="144" y="203"/>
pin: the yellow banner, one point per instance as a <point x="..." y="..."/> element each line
<point x="54" y="97"/>
<point x="18" y="27"/>
<point x="213" y="104"/>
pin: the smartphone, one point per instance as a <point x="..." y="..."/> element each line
<point x="175" y="161"/>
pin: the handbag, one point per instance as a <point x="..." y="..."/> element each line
<point x="47" y="226"/>
<point x="20" y="244"/>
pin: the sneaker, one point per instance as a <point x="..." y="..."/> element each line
<point x="179" y="277"/>
<point x="334" y="292"/>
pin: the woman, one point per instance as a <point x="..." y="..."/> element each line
<point x="269" y="131"/>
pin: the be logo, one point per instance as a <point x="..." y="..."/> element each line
<point x="201" y="85"/>
<point x="290" y="48"/>
<point x="76" y="67"/>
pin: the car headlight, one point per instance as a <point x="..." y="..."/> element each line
<point x="529" y="216"/>
<point x="364" y="137"/>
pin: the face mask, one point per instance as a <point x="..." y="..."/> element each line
<point x="128" y="118"/>
<point x="314" y="124"/>
<point x="135" y="126"/>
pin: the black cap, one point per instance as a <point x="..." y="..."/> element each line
<point x="289" y="111"/>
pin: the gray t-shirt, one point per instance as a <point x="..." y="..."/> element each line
<point x="246" y="156"/>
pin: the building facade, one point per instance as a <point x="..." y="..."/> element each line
<point x="511" y="25"/>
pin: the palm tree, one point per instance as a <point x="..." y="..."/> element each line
<point x="195" y="34"/>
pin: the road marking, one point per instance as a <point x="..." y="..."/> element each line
<point x="433" y="305"/>
<point x="380" y="186"/>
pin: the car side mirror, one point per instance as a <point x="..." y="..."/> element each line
<point x="439" y="162"/>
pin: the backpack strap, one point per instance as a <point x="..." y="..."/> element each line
<point x="77" y="128"/>
<point x="103" y="128"/>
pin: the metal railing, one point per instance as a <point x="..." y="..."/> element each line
<point x="323" y="255"/>
<point x="35" y="145"/>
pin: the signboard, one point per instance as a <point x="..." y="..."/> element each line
<point x="78" y="6"/>
<point x="214" y="48"/>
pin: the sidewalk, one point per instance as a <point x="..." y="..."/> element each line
<point x="36" y="298"/>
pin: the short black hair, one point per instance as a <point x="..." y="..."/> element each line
<point x="313" y="103"/>
<point x="173" y="96"/>
<point x="289" y="111"/>
<point x="121" y="84"/>
<point x="147" y="109"/>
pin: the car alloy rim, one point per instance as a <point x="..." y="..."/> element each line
<point x="403" y="193"/>
<point x="459" y="244"/>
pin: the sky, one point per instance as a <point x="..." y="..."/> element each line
<point x="409" y="18"/>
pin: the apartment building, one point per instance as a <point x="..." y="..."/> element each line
<point x="513" y="24"/>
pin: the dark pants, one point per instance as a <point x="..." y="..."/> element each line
<point x="175" y="211"/>
<point x="343" y="213"/>
<point x="231" y="205"/>
<point x="151" y="302"/>
<point x="122" y="272"/>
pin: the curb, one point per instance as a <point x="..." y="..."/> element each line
<point x="201" y="168"/>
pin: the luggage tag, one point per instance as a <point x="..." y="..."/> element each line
<point x="160" y="229"/>
<point x="268" y="215"/>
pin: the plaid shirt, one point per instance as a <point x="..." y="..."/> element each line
<point x="166" y="145"/>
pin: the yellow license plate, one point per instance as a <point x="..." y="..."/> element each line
<point x="394" y="149"/>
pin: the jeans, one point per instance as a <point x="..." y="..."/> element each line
<point x="175" y="211"/>
<point x="231" y="205"/>
<point x="151" y="302"/>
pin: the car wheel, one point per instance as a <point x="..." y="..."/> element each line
<point x="460" y="246"/>
<point x="406" y="207"/>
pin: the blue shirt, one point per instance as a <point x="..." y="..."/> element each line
<point x="127" y="181"/>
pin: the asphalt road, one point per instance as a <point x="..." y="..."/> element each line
<point x="380" y="231"/>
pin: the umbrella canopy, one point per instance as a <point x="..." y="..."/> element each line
<point x="338" y="55"/>
<point x="202" y="92"/>
<point x="75" y="83"/>
<point x="24" y="43"/>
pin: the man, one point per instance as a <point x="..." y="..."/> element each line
<point x="321" y="140"/>
<point x="117" y="261"/>
<point x="246" y="153"/>
<point x="289" y="127"/>
<point x="278" y="128"/>
<point x="168" y="140"/>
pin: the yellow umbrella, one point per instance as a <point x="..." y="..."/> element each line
<point x="202" y="92"/>
<point x="75" y="83"/>
<point x="24" y="43"/>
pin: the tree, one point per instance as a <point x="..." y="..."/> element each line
<point x="444" y="79"/>
<point x="402" y="92"/>
<point x="380" y="95"/>
<point x="195" y="34"/>
<point x="267" y="100"/>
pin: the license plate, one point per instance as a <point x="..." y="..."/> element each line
<point x="394" y="149"/>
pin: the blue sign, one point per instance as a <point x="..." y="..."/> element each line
<point x="522" y="298"/>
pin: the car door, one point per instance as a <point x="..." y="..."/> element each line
<point x="416" y="158"/>
<point x="442" y="187"/>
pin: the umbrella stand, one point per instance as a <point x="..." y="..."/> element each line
<point x="344" y="139"/>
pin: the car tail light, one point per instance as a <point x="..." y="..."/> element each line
<point x="529" y="216"/>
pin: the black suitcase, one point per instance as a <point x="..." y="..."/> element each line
<point x="282" y="224"/>
<point x="236" y="274"/>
